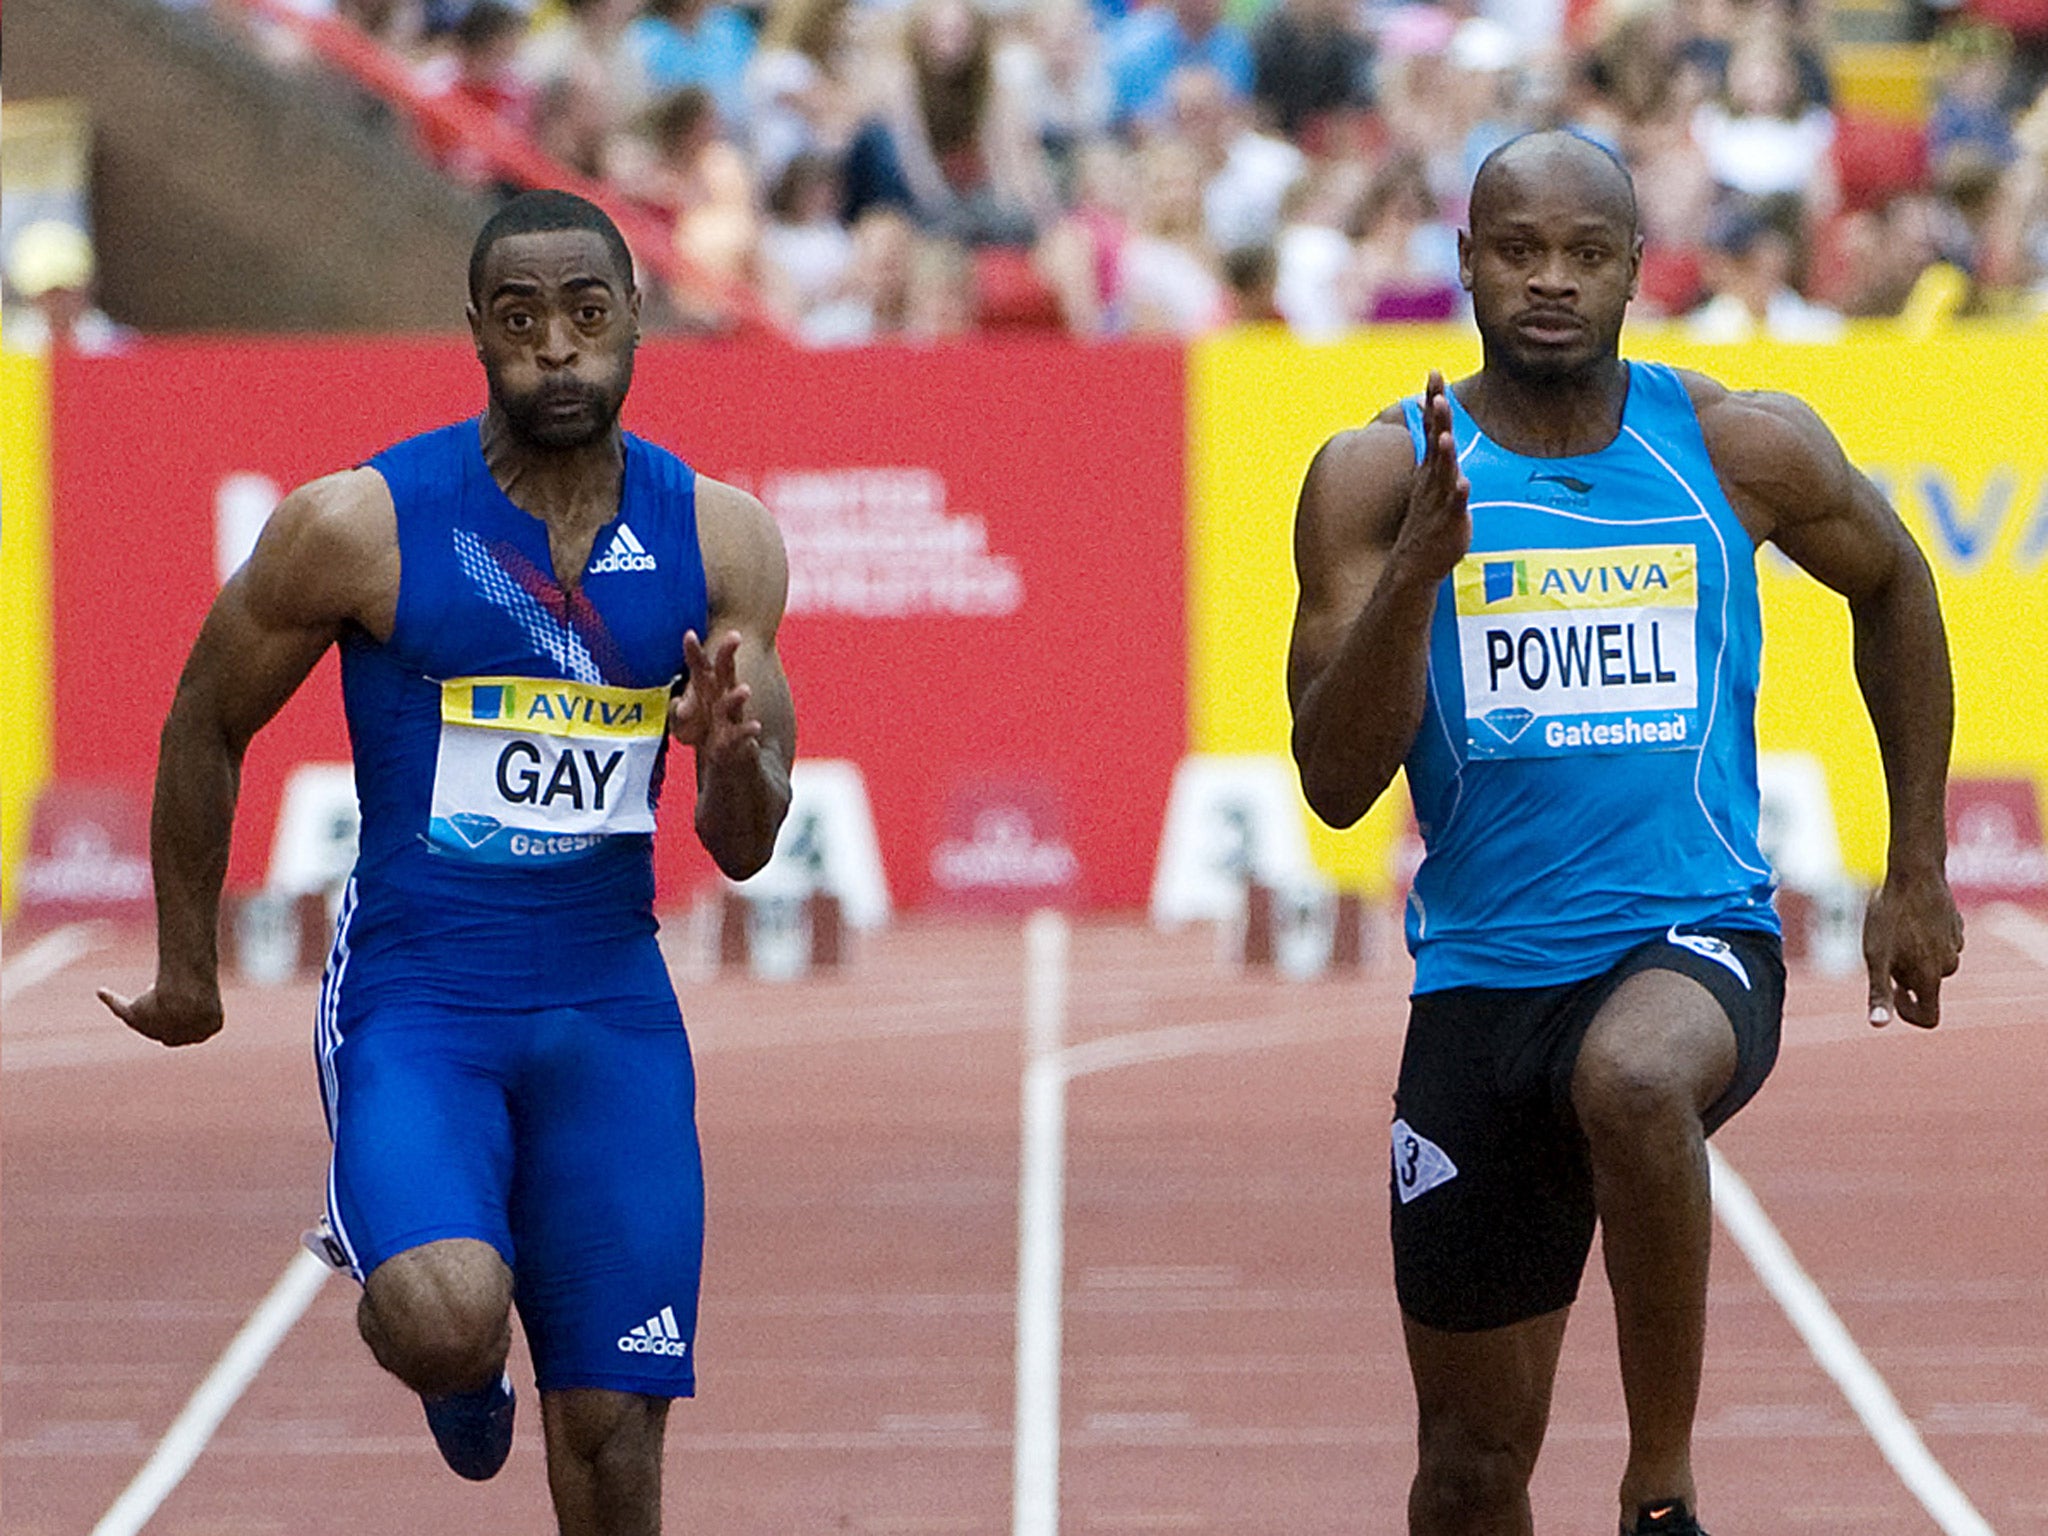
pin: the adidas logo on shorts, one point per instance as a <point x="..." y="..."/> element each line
<point x="627" y="553"/>
<point x="657" y="1336"/>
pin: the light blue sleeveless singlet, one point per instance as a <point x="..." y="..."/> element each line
<point x="1585" y="775"/>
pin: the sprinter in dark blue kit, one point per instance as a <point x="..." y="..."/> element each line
<point x="529" y="606"/>
<point x="1535" y="590"/>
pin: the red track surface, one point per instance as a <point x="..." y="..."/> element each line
<point x="1232" y="1352"/>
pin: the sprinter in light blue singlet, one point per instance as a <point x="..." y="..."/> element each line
<point x="529" y="606"/>
<point x="1585" y="777"/>
<point x="1535" y="591"/>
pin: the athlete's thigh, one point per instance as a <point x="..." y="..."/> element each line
<point x="1492" y="1201"/>
<point x="1697" y="1012"/>
<point x="417" y="1107"/>
<point x="608" y="1209"/>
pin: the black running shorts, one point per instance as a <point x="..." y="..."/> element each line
<point x="1492" y="1190"/>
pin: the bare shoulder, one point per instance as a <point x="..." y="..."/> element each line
<point x="1357" y="485"/>
<point x="329" y="554"/>
<point x="1775" y="456"/>
<point x="745" y="566"/>
<point x="1756" y="428"/>
<point x="347" y="513"/>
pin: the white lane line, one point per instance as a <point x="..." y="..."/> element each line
<point x="1175" y="1042"/>
<point x="222" y="1388"/>
<point x="1837" y="1354"/>
<point x="2019" y="928"/>
<point x="1041" y="1233"/>
<point x="48" y="955"/>
<point x="1041" y="1197"/>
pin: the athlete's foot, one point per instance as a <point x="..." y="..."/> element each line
<point x="474" y="1429"/>
<point x="1664" y="1517"/>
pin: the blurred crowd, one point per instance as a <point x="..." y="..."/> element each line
<point x="923" y="168"/>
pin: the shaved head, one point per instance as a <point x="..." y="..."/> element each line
<point x="1551" y="256"/>
<point x="1554" y="157"/>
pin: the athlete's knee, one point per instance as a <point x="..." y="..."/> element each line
<point x="1657" y="1055"/>
<point x="1626" y="1093"/>
<point x="439" y="1317"/>
<point x="1465" y="1475"/>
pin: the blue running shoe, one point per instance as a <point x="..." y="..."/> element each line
<point x="474" y="1429"/>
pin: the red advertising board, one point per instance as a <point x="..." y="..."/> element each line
<point x="986" y="566"/>
<point x="1995" y="847"/>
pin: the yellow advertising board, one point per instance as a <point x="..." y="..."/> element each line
<point x="1954" y="427"/>
<point x="24" y="602"/>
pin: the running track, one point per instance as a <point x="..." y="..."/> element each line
<point x="1232" y="1360"/>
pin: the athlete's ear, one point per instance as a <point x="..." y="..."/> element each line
<point x="1465" y="259"/>
<point x="1635" y="267"/>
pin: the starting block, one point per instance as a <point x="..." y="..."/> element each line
<point x="286" y="928"/>
<point x="781" y="938"/>
<point x="268" y="937"/>
<point x="1234" y="851"/>
<point x="1819" y="904"/>
<point x="1301" y="932"/>
<point x="824" y="878"/>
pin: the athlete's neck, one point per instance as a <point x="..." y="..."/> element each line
<point x="569" y="489"/>
<point x="1547" y="416"/>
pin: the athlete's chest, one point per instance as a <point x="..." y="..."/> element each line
<point x="485" y="596"/>
<point x="1589" y="615"/>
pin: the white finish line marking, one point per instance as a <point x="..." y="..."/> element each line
<point x="222" y="1388"/>
<point x="1793" y="1289"/>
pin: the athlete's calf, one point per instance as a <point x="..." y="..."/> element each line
<point x="604" y="1461"/>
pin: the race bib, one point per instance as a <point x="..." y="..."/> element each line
<point x="534" y="771"/>
<point x="1565" y="651"/>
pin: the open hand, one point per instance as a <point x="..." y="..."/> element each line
<point x="168" y="1018"/>
<point x="711" y="712"/>
<point x="1437" y="530"/>
<point x="1912" y="938"/>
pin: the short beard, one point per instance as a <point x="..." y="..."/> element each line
<point x="525" y="422"/>
<point x="1504" y="353"/>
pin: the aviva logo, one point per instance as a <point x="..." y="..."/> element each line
<point x="1547" y="580"/>
<point x="541" y="707"/>
<point x="1506" y="579"/>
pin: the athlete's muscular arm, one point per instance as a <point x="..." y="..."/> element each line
<point x="1374" y="536"/>
<point x="328" y="557"/>
<point x="1791" y="483"/>
<point x="736" y="710"/>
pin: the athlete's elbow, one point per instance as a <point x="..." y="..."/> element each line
<point x="1337" y="798"/>
<point x="742" y="865"/>
<point x="738" y="856"/>
<point x="1336" y="791"/>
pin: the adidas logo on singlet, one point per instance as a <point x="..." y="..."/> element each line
<point x="627" y="553"/>
<point x="657" y="1336"/>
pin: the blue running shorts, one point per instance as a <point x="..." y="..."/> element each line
<point x="566" y="1138"/>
